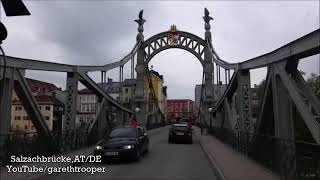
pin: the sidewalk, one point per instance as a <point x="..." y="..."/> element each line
<point x="229" y="164"/>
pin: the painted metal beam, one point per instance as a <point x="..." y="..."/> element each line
<point x="22" y="63"/>
<point x="305" y="46"/>
<point x="229" y="92"/>
<point x="307" y="116"/>
<point x="102" y="108"/>
<point x="219" y="61"/>
<point x="31" y="64"/>
<point x="27" y="99"/>
<point x="90" y="84"/>
<point x="6" y="88"/>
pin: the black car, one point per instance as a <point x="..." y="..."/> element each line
<point x="123" y="142"/>
<point x="180" y="132"/>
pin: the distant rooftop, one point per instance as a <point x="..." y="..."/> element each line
<point x="40" y="87"/>
<point x="109" y="87"/>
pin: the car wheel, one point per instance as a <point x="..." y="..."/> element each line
<point x="137" y="155"/>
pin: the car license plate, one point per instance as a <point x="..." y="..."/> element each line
<point x="111" y="153"/>
<point x="180" y="133"/>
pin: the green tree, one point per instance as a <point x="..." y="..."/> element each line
<point x="261" y="89"/>
<point x="314" y="84"/>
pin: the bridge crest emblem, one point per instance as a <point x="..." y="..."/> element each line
<point x="173" y="36"/>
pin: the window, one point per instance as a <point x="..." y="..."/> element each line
<point x="47" y="108"/>
<point x="25" y="127"/>
<point x="17" y="118"/>
<point x="85" y="108"/>
<point x="18" y="108"/>
<point x="81" y="119"/>
<point x="126" y="89"/>
<point x="46" y="118"/>
<point x="82" y="108"/>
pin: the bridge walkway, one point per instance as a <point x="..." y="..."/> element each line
<point x="230" y="164"/>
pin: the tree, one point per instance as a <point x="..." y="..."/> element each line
<point x="314" y="84"/>
<point x="260" y="89"/>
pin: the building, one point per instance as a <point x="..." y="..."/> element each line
<point x="218" y="92"/>
<point x="178" y="109"/>
<point x="50" y="107"/>
<point x="128" y="92"/>
<point x="129" y="89"/>
<point x="159" y="89"/>
<point x="87" y="101"/>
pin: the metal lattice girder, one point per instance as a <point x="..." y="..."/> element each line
<point x="71" y="101"/>
<point x="6" y="87"/>
<point x="305" y="46"/>
<point x="243" y="101"/>
<point x="31" y="64"/>
<point x="25" y="95"/>
<point x="90" y="84"/>
<point x="305" y="113"/>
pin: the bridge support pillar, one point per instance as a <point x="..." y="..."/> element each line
<point x="283" y="124"/>
<point x="140" y="83"/>
<point x="6" y="88"/>
<point x="243" y="102"/>
<point x="71" y="106"/>
<point x="102" y="124"/>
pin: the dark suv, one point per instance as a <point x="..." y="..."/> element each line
<point x="180" y="132"/>
<point x="123" y="142"/>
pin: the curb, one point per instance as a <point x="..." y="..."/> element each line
<point x="212" y="162"/>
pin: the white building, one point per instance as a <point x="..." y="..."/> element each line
<point x="87" y="102"/>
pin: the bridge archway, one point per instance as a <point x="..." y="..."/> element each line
<point x="183" y="40"/>
<point x="168" y="40"/>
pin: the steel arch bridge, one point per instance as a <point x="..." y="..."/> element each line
<point x="286" y="94"/>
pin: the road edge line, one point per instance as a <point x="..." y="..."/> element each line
<point x="212" y="162"/>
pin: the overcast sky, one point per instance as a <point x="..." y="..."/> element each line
<point x="101" y="32"/>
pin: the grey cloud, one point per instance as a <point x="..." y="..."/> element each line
<point x="103" y="32"/>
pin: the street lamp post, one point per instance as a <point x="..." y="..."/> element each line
<point x="136" y="111"/>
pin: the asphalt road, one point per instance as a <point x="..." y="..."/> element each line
<point x="163" y="162"/>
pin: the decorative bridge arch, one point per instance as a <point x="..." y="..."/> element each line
<point x="174" y="39"/>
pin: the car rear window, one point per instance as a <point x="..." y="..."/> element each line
<point x="124" y="132"/>
<point x="180" y="127"/>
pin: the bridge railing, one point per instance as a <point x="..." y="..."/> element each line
<point x="279" y="155"/>
<point x="32" y="144"/>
